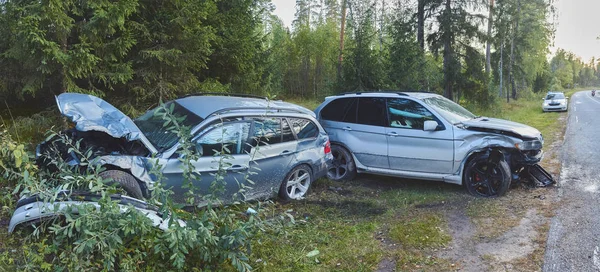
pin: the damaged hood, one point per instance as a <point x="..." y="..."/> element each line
<point x="90" y="113"/>
<point x="503" y="125"/>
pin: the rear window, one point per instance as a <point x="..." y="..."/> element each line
<point x="267" y="131"/>
<point x="341" y="110"/>
<point x="371" y="111"/>
<point x="303" y="128"/>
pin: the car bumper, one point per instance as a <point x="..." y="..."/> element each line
<point x="529" y="157"/>
<point x="555" y="108"/>
<point x="32" y="209"/>
<point x="320" y="169"/>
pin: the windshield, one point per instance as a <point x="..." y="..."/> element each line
<point x="451" y="111"/>
<point x="555" y="96"/>
<point x="152" y="125"/>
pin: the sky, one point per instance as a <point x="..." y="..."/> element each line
<point x="579" y="27"/>
<point x="577" y="30"/>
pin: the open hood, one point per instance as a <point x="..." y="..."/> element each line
<point x="90" y="113"/>
<point x="503" y="125"/>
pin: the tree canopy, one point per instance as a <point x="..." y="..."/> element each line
<point x="142" y="50"/>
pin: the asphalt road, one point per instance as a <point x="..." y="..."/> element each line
<point x="574" y="238"/>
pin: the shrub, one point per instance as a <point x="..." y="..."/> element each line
<point x="110" y="236"/>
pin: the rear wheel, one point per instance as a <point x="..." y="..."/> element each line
<point x="485" y="178"/>
<point x="296" y="183"/>
<point x="125" y="181"/>
<point x="342" y="167"/>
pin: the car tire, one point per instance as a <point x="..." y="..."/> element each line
<point x="483" y="183"/>
<point x="296" y="183"/>
<point x="342" y="167"/>
<point x="125" y="181"/>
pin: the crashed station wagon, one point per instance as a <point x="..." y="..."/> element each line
<point x="279" y="146"/>
<point x="426" y="136"/>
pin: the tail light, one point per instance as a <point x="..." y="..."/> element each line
<point x="327" y="148"/>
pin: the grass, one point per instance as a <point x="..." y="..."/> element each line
<point x="421" y="231"/>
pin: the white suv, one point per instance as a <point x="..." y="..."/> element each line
<point x="426" y="136"/>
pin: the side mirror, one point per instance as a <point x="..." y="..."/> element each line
<point x="430" y="125"/>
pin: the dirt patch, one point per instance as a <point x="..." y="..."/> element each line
<point x="514" y="244"/>
<point x="462" y="249"/>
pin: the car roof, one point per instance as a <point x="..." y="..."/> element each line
<point x="204" y="106"/>
<point x="417" y="95"/>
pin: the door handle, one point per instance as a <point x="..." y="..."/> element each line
<point x="237" y="168"/>
<point x="347" y="128"/>
<point x="393" y="134"/>
<point x="285" y="152"/>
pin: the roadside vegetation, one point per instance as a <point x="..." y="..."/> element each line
<point x="137" y="53"/>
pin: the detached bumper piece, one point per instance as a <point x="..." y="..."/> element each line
<point x="33" y="209"/>
<point x="538" y="176"/>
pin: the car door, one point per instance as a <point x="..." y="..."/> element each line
<point x="410" y="148"/>
<point x="272" y="149"/>
<point x="359" y="124"/>
<point x="222" y="154"/>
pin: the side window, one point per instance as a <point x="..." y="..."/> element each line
<point x="341" y="110"/>
<point x="304" y="128"/>
<point x="405" y="113"/>
<point x="286" y="132"/>
<point x="227" y="139"/>
<point x="371" y="111"/>
<point x="267" y="131"/>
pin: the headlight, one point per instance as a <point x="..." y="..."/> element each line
<point x="529" y="145"/>
<point x="545" y="104"/>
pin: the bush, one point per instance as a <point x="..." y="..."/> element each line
<point x="114" y="237"/>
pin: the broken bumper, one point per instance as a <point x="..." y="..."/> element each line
<point x="33" y="209"/>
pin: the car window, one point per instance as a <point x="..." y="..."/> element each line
<point x="303" y="128"/>
<point x="405" y="113"/>
<point x="226" y="139"/>
<point x="452" y="112"/>
<point x="267" y="131"/>
<point x="371" y="111"/>
<point x="152" y="125"/>
<point x="286" y="132"/>
<point x="555" y="96"/>
<point x="341" y="110"/>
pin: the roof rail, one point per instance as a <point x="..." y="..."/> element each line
<point x="359" y="93"/>
<point x="269" y="108"/>
<point x="226" y="94"/>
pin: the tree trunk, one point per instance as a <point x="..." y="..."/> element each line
<point x="342" y="29"/>
<point x="512" y="53"/>
<point x="421" y="23"/>
<point x="488" y="62"/>
<point x="447" y="56"/>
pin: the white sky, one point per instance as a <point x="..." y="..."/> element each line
<point x="285" y="9"/>
<point x="578" y="25"/>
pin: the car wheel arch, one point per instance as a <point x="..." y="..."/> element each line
<point x="474" y="153"/>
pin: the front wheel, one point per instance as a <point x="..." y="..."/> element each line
<point x="125" y="181"/>
<point x="485" y="178"/>
<point x="296" y="183"/>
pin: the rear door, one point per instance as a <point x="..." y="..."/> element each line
<point x="410" y="148"/>
<point x="272" y="149"/>
<point x="359" y="124"/>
